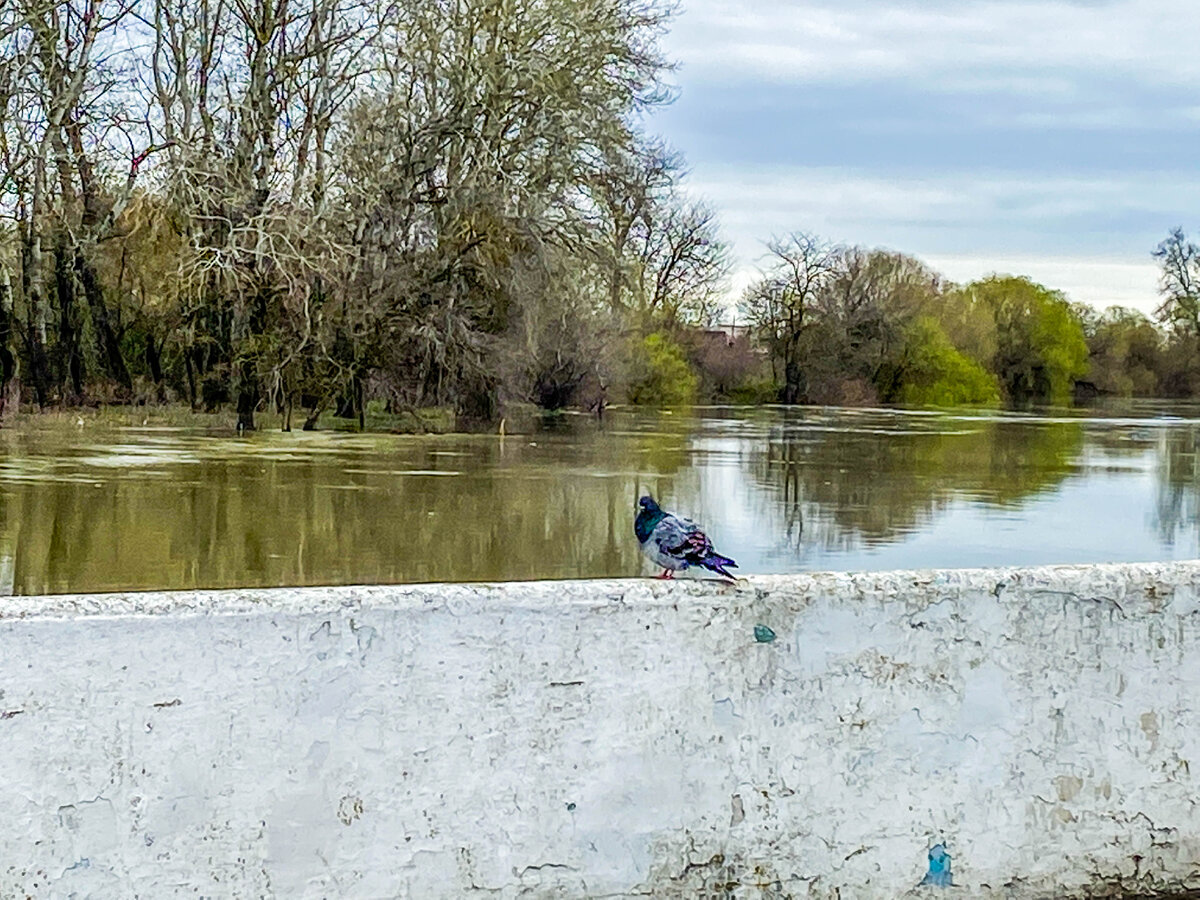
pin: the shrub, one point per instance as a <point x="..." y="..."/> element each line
<point x="662" y="376"/>
<point x="755" y="392"/>
<point x="935" y="373"/>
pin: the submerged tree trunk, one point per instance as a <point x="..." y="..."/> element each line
<point x="245" y="375"/>
<point x="793" y="388"/>
<point x="310" y="421"/>
<point x="247" y="396"/>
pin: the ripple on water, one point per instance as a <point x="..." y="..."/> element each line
<point x="402" y="472"/>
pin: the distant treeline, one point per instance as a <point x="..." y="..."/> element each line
<point x="850" y="325"/>
<point x="268" y="204"/>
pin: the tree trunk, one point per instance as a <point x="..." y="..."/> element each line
<point x="191" y="377"/>
<point x="345" y="403"/>
<point x="154" y="363"/>
<point x="245" y="376"/>
<point x="310" y="421"/>
<point x="31" y="264"/>
<point x="793" y="388"/>
<point x="110" y="346"/>
<point x="246" y="386"/>
<point x="68" y="329"/>
<point x="39" y="363"/>
<point x="8" y="360"/>
<point x="350" y="402"/>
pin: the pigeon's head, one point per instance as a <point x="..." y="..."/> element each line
<point x="647" y="503"/>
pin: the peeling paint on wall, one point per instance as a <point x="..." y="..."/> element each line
<point x="543" y="740"/>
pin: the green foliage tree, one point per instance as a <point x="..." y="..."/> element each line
<point x="662" y="376"/>
<point x="933" y="372"/>
<point x="967" y="320"/>
<point x="1040" y="346"/>
<point x="864" y="314"/>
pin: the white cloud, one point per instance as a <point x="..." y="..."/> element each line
<point x="1071" y="103"/>
<point x="966" y="225"/>
<point x="944" y="211"/>
<point x="1098" y="282"/>
<point x="1022" y="47"/>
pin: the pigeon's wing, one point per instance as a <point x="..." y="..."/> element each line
<point x="669" y="533"/>
<point x="682" y="539"/>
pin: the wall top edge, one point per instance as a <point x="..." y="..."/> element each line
<point x="1099" y="581"/>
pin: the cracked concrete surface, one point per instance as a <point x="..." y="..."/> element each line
<point x="610" y="738"/>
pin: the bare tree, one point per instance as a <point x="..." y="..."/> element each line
<point x="781" y="303"/>
<point x="57" y="137"/>
<point x="291" y="201"/>
<point x="473" y="168"/>
<point x="1179" y="283"/>
<point x="8" y="358"/>
<point x="626" y="192"/>
<point x="869" y="298"/>
<point x="684" y="263"/>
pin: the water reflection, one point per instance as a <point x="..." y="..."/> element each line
<point x="877" y="483"/>
<point x="779" y="489"/>
<point x="1178" y="489"/>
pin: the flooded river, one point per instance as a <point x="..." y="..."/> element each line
<point x="96" y="508"/>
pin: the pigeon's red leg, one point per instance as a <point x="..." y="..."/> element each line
<point x="667" y="573"/>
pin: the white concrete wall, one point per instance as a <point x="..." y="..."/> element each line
<point x="589" y="739"/>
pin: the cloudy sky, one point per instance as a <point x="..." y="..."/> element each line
<point x="1057" y="140"/>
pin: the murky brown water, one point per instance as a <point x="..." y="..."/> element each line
<point x="89" y="509"/>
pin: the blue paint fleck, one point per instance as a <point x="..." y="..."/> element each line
<point x="939" y="868"/>
<point x="570" y="807"/>
<point x="763" y="634"/>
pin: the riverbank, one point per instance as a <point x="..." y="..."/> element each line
<point x="815" y="736"/>
<point x="517" y="418"/>
<point x="432" y="420"/>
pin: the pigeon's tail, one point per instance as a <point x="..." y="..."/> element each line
<point x="717" y="563"/>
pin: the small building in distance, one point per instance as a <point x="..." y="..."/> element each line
<point x="731" y="333"/>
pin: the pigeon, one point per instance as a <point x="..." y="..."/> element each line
<point x="675" y="543"/>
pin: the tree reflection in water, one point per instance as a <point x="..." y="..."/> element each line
<point x="1178" y="487"/>
<point x="871" y="478"/>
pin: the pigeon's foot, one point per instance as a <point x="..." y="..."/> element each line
<point x="667" y="573"/>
